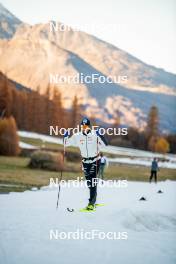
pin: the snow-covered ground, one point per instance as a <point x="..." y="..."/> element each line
<point x="26" y="146"/>
<point x="129" y="156"/>
<point x="44" y="138"/>
<point x="27" y="218"/>
<point x="143" y="162"/>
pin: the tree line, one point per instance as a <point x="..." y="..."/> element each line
<point x="150" y="138"/>
<point x="32" y="111"/>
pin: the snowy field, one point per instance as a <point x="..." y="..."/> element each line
<point x="27" y="218"/>
<point x="128" y="155"/>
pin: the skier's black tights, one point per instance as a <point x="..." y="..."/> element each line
<point x="153" y="173"/>
<point x="90" y="172"/>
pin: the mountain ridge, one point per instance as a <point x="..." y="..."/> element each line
<point x="8" y="23"/>
<point x="34" y="52"/>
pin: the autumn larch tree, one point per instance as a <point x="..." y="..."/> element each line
<point x="75" y="114"/>
<point x="152" y="129"/>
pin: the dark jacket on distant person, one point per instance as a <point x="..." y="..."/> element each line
<point x="154" y="166"/>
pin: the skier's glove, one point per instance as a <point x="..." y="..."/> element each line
<point x="66" y="134"/>
<point x="102" y="138"/>
<point x="98" y="133"/>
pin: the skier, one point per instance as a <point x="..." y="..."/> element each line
<point x="89" y="142"/>
<point x="154" y="170"/>
<point x="103" y="164"/>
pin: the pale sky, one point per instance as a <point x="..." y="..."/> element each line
<point x="144" y="28"/>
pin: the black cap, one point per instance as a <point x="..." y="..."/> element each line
<point x="85" y="121"/>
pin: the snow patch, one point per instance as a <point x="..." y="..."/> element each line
<point x="28" y="217"/>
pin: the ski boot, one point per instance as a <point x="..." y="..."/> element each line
<point x="90" y="207"/>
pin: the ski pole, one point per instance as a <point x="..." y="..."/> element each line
<point x="61" y="174"/>
<point x="3" y="113"/>
<point x="97" y="176"/>
<point x="97" y="159"/>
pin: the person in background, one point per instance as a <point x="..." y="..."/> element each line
<point x="103" y="164"/>
<point x="154" y="170"/>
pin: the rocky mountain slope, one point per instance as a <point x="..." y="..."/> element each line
<point x="34" y="53"/>
<point x="8" y="23"/>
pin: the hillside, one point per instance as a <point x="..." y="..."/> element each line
<point x="8" y="23"/>
<point x="34" y="53"/>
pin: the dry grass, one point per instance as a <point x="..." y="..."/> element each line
<point x="14" y="170"/>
